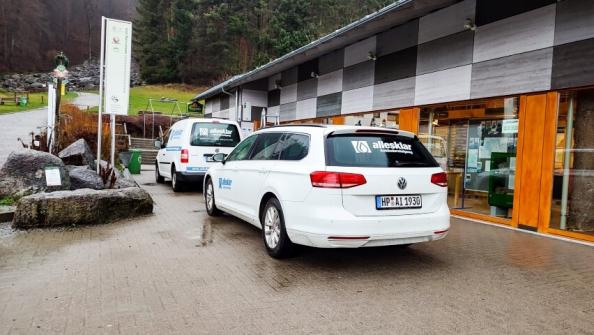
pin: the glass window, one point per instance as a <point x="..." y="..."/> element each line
<point x="242" y="151"/>
<point x="377" y="151"/>
<point x="265" y="145"/>
<point x="214" y="135"/>
<point x="294" y="147"/>
<point x="475" y="143"/>
<point x="573" y="179"/>
<point x="376" y="119"/>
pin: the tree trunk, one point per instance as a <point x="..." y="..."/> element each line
<point x="581" y="197"/>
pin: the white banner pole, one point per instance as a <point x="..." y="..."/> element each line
<point x="113" y="131"/>
<point x="99" y="118"/>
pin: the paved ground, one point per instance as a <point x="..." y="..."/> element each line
<point x="180" y="272"/>
<point x="19" y="125"/>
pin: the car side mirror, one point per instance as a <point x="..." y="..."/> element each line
<point x="158" y="144"/>
<point x="220" y="157"/>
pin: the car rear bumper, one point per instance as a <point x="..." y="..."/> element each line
<point x="190" y="177"/>
<point x="340" y="229"/>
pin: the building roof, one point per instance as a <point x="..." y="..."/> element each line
<point x="392" y="15"/>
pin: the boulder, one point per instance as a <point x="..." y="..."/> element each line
<point x="23" y="173"/>
<point x="124" y="179"/>
<point x="81" y="207"/>
<point x="83" y="177"/>
<point x="78" y="153"/>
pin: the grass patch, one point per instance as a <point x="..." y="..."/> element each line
<point x="7" y="201"/>
<point x="140" y="95"/>
<point x="36" y="100"/>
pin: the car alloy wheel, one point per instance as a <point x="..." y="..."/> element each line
<point x="209" y="196"/>
<point x="272" y="229"/>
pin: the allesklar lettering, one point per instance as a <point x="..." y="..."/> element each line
<point x="393" y="147"/>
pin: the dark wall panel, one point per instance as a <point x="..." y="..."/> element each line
<point x="307" y="89"/>
<point x="357" y="76"/>
<point x="289" y="77"/>
<point x="445" y="53"/>
<point x="274" y="98"/>
<point x="331" y="62"/>
<point x="329" y="105"/>
<point x="225" y="102"/>
<point x="397" y="65"/>
<point x="305" y="70"/>
<point x="398" y="38"/>
<point x="258" y="85"/>
<point x="573" y="64"/>
<point x="488" y="11"/>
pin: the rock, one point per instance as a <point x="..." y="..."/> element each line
<point x="78" y="153"/>
<point x="83" y="177"/>
<point x="37" y="85"/>
<point x="81" y="207"/>
<point x="125" y="180"/>
<point x="23" y="173"/>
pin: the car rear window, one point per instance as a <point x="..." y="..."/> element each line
<point x="214" y="135"/>
<point x="371" y="150"/>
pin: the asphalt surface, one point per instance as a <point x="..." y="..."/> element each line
<point x="180" y="272"/>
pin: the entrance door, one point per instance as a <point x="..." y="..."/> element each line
<point x="535" y="143"/>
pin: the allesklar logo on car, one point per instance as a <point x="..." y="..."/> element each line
<point x="361" y="147"/>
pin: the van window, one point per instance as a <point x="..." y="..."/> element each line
<point x="382" y="150"/>
<point x="242" y="151"/>
<point x="294" y="147"/>
<point x="265" y="145"/>
<point x="214" y="135"/>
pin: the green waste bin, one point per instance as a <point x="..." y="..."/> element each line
<point x="23" y="101"/>
<point x="135" y="161"/>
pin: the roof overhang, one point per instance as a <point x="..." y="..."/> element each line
<point x="390" y="16"/>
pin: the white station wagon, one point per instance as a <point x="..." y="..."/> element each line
<point x="331" y="186"/>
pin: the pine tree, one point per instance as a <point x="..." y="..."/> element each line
<point x="150" y="38"/>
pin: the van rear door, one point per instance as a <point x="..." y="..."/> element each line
<point x="207" y="139"/>
<point x="397" y="169"/>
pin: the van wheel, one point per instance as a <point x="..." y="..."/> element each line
<point x="158" y="178"/>
<point x="277" y="242"/>
<point x="209" y="199"/>
<point x="177" y="187"/>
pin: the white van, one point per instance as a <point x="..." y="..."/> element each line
<point x="186" y="150"/>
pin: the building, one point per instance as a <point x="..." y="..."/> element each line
<point x="493" y="88"/>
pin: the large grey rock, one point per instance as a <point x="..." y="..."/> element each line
<point x="23" y="173"/>
<point x="78" y="153"/>
<point x="83" y="177"/>
<point x="81" y="207"/>
<point x="124" y="179"/>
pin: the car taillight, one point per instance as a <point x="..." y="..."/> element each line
<point x="440" y="179"/>
<point x="326" y="179"/>
<point x="185" y="156"/>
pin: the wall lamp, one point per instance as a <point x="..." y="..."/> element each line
<point x="469" y="25"/>
<point x="372" y="56"/>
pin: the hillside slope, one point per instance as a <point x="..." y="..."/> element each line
<point x="32" y="31"/>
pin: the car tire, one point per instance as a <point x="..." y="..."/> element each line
<point x="209" y="199"/>
<point x="175" y="184"/>
<point x="274" y="234"/>
<point x="158" y="178"/>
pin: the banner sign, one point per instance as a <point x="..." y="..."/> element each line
<point x="51" y="113"/>
<point x="118" y="55"/>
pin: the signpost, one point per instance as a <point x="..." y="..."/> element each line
<point x="51" y="115"/>
<point x="114" y="87"/>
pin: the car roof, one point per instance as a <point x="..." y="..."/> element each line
<point x="334" y="129"/>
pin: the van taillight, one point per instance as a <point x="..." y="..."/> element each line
<point x="326" y="179"/>
<point x="440" y="179"/>
<point x="185" y="156"/>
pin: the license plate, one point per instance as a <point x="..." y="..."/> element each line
<point x="398" y="201"/>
